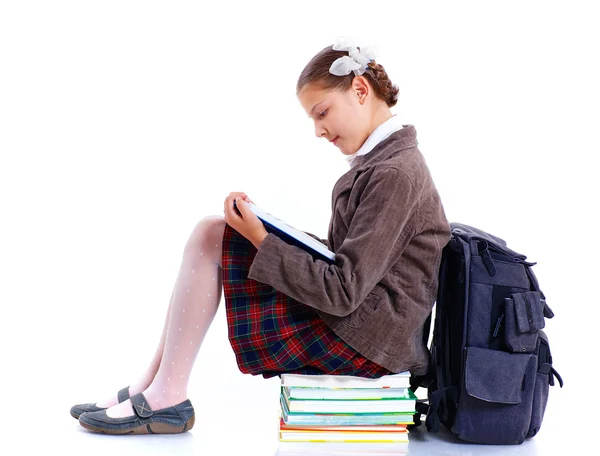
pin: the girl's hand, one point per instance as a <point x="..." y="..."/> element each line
<point x="245" y="222"/>
<point x="243" y="195"/>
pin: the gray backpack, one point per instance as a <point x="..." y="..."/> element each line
<point x="491" y="367"/>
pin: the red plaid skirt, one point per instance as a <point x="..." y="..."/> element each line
<point x="272" y="333"/>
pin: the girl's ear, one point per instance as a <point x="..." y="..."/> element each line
<point x="361" y="88"/>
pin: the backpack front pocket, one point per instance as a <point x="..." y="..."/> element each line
<point x="524" y="317"/>
<point x="495" y="402"/>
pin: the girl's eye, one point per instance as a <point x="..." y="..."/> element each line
<point x="322" y="113"/>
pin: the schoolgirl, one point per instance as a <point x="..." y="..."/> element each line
<point x="286" y="311"/>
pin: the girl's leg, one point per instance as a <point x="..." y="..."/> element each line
<point x="195" y="301"/>
<point x="144" y="381"/>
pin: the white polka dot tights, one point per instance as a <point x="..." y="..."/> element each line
<point x="194" y="302"/>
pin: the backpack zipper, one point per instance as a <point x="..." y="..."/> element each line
<point x="498" y="324"/>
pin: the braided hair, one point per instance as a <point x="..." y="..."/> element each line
<point x="317" y="72"/>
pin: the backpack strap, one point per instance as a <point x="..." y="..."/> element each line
<point x="432" y="421"/>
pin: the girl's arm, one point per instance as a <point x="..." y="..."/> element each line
<point x="378" y="233"/>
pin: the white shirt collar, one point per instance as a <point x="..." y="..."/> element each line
<point x="379" y="134"/>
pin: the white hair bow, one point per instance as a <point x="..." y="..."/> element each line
<point x="356" y="61"/>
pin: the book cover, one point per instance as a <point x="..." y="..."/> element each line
<point x="344" y="419"/>
<point x="368" y="427"/>
<point x="347" y="436"/>
<point x="296" y="392"/>
<point x="400" y="380"/>
<point x="292" y="235"/>
<point x="330" y="448"/>
<point x="352" y="406"/>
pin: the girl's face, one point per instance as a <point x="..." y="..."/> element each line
<point x="343" y="117"/>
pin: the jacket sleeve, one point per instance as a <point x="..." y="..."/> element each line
<point x="377" y="232"/>
<point x="314" y="236"/>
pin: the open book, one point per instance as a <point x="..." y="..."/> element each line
<point x="292" y="235"/>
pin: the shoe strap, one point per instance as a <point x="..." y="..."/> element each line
<point x="141" y="406"/>
<point x="123" y="394"/>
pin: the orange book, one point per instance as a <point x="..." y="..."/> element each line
<point x="397" y="428"/>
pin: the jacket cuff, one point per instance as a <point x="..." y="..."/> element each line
<point x="264" y="260"/>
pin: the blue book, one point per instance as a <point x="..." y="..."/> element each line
<point x="343" y="419"/>
<point x="292" y="235"/>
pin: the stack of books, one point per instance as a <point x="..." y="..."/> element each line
<point x="342" y="414"/>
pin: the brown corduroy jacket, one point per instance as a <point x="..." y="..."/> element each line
<point x="387" y="229"/>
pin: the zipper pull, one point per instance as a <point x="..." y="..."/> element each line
<point x="486" y="257"/>
<point x="498" y="324"/>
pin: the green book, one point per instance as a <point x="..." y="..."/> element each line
<point x="301" y="392"/>
<point x="391" y="405"/>
<point x="343" y="419"/>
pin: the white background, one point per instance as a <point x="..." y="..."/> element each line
<point x="123" y="123"/>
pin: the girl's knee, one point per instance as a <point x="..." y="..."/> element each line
<point x="208" y="232"/>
